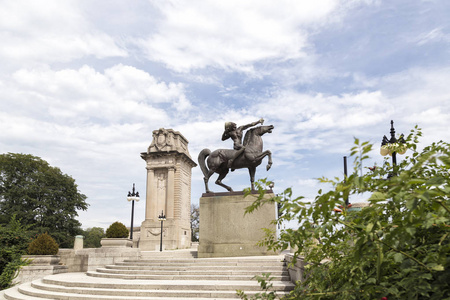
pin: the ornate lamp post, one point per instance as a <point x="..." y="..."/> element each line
<point x="134" y="196"/>
<point x="393" y="146"/>
<point x="162" y="218"/>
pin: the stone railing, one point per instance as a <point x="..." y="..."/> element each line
<point x="297" y="270"/>
<point x="92" y="258"/>
<point x="71" y="260"/>
<point x="40" y="266"/>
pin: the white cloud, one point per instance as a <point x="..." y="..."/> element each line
<point x="317" y="113"/>
<point x="232" y="35"/>
<point x="120" y="94"/>
<point x="50" y="31"/>
<point x="327" y="123"/>
<point x="422" y="96"/>
<point x="435" y="35"/>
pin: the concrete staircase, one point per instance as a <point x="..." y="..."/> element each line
<point x="161" y="276"/>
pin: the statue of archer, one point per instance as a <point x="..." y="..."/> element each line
<point x="235" y="133"/>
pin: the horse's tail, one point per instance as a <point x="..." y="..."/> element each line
<point x="202" y="160"/>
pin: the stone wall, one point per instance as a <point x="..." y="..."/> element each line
<point x="93" y="258"/>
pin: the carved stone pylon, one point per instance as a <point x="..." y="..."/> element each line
<point x="168" y="189"/>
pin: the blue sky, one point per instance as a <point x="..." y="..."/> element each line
<point x="84" y="83"/>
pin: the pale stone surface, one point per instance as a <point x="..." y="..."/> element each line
<point x="297" y="270"/>
<point x="78" y="244"/>
<point x="225" y="230"/>
<point x="42" y="260"/>
<point x="116" y="242"/>
<point x="168" y="165"/>
<point x="40" y="266"/>
<point x="93" y="258"/>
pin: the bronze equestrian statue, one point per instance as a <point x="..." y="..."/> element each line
<point x="248" y="154"/>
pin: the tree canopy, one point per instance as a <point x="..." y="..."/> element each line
<point x="396" y="248"/>
<point x="40" y="196"/>
<point x="93" y="237"/>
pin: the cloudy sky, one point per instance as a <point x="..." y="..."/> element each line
<point x="84" y="83"/>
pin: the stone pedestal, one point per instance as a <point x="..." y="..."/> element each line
<point x="168" y="190"/>
<point x="224" y="229"/>
<point x="78" y="244"/>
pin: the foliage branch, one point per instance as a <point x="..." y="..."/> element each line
<point x="396" y="248"/>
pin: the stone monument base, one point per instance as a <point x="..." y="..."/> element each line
<point x="175" y="236"/>
<point x="224" y="229"/>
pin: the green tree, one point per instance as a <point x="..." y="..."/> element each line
<point x="398" y="247"/>
<point x="93" y="236"/>
<point x="14" y="240"/>
<point x="195" y="222"/>
<point x="41" y="196"/>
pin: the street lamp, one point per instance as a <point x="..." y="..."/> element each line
<point x="162" y="218"/>
<point x="134" y="196"/>
<point x="393" y="146"/>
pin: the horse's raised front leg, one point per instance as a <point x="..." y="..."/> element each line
<point x="219" y="180"/>
<point x="264" y="154"/>
<point x="252" y="171"/>
<point x="269" y="164"/>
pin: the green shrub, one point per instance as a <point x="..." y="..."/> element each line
<point x="10" y="272"/>
<point x="44" y="244"/>
<point x="117" y="230"/>
<point x="14" y="240"/>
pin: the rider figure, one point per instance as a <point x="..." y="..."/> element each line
<point x="235" y="133"/>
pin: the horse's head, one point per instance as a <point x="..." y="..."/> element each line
<point x="265" y="129"/>
<point x="251" y="134"/>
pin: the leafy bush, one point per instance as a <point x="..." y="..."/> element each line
<point x="14" y="239"/>
<point x="44" y="244"/>
<point x="10" y="272"/>
<point x="117" y="230"/>
<point x="396" y="248"/>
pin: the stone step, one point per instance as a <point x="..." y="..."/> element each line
<point x="191" y="271"/>
<point x="14" y="294"/>
<point x="158" y="290"/>
<point x="198" y="263"/>
<point x="79" y="286"/>
<point x="219" y="268"/>
<point x="256" y="259"/>
<point x="184" y="253"/>
<point x="160" y="278"/>
<point x="82" y="280"/>
<point x="27" y="292"/>
<point x="181" y="277"/>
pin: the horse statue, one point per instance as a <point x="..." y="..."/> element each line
<point x="217" y="161"/>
